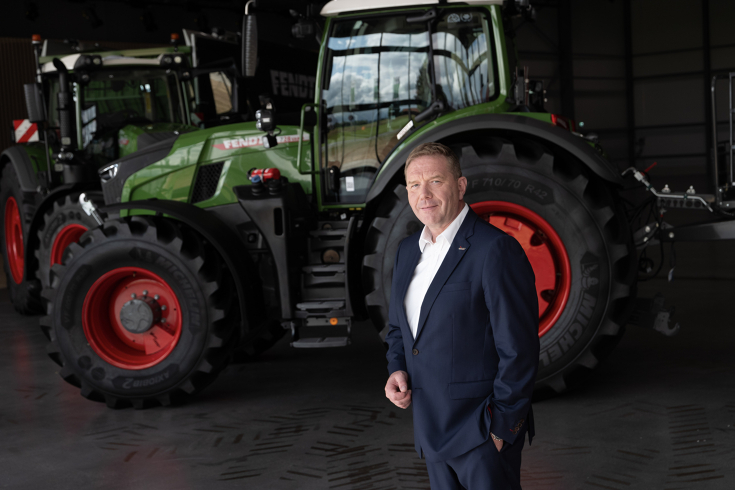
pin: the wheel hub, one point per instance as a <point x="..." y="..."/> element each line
<point x="132" y="318"/>
<point x="544" y="250"/>
<point x="14" y="240"/>
<point x="139" y="315"/>
<point x="68" y="235"/>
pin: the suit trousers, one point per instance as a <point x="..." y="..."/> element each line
<point x="481" y="468"/>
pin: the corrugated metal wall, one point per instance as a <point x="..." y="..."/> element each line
<point x="16" y="60"/>
<point x="17" y="68"/>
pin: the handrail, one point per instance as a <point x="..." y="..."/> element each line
<point x="304" y="109"/>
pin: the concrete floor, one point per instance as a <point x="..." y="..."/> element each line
<point x="659" y="414"/>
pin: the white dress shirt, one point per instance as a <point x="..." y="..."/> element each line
<point x="432" y="256"/>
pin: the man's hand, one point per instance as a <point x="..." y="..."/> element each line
<point x="396" y="389"/>
<point x="498" y="445"/>
<point x="498" y="442"/>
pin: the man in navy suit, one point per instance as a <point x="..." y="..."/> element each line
<point x="463" y="339"/>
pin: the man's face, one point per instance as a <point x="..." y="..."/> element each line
<point x="433" y="192"/>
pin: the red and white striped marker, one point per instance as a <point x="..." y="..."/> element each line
<point x="25" y="131"/>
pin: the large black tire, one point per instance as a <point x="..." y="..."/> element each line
<point x="17" y="212"/>
<point x="89" y="350"/>
<point x="63" y="224"/>
<point x="584" y="212"/>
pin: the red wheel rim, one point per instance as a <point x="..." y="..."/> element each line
<point x="545" y="252"/>
<point x="14" y="240"/>
<point x="103" y="327"/>
<point x="68" y="235"/>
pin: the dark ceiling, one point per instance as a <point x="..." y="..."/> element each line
<point x="143" y="21"/>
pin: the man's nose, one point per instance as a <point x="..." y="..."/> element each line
<point x="425" y="192"/>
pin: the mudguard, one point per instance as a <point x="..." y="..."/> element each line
<point x="227" y="244"/>
<point x="523" y="125"/>
<point x="21" y="160"/>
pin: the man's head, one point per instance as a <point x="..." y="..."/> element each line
<point x="435" y="185"/>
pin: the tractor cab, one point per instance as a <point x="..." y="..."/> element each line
<point x="123" y="101"/>
<point x="385" y="76"/>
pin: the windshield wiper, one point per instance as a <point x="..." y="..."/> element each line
<point x="436" y="107"/>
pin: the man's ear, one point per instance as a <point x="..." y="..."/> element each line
<point x="462" y="183"/>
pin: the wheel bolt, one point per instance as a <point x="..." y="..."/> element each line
<point x="145" y="292"/>
<point x="163" y="320"/>
<point x="156" y="297"/>
<point x="163" y="307"/>
<point x="133" y="295"/>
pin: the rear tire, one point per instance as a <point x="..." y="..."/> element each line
<point x="524" y="175"/>
<point x="15" y="216"/>
<point x="90" y="332"/>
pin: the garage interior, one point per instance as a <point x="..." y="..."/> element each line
<point x="659" y="413"/>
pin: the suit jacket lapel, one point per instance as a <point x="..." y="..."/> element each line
<point x="457" y="250"/>
<point x="407" y="267"/>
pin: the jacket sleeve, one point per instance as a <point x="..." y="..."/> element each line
<point x="509" y="287"/>
<point x="396" y="355"/>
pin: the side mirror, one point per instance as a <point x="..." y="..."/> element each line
<point x="34" y="102"/>
<point x="249" y="43"/>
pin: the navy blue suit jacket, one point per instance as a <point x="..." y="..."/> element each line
<point x="473" y="364"/>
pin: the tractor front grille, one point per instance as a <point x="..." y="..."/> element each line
<point x="206" y="182"/>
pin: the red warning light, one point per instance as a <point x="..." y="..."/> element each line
<point x="36" y="38"/>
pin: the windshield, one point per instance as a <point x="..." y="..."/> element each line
<point x="143" y="96"/>
<point x="379" y="77"/>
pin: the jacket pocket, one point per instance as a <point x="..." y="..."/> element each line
<point x="470" y="389"/>
<point x="456" y="286"/>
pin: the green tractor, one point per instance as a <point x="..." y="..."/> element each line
<point x="226" y="238"/>
<point x="91" y="106"/>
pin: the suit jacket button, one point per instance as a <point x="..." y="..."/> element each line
<point x="415" y="352"/>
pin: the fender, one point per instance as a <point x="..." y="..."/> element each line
<point x="21" y="160"/>
<point x="522" y="125"/>
<point x="31" y="242"/>
<point x="227" y="244"/>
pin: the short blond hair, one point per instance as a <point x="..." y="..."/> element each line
<point x="433" y="148"/>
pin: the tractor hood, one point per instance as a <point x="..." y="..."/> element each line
<point x="133" y="137"/>
<point x="114" y="175"/>
<point x="168" y="169"/>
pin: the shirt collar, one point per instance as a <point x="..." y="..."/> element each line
<point x="448" y="234"/>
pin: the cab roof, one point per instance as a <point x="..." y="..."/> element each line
<point x="336" y="7"/>
<point x="131" y="57"/>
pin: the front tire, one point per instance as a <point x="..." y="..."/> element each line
<point x="572" y="229"/>
<point x="141" y="313"/>
<point x="63" y="224"/>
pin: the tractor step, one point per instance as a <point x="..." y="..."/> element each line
<point x="335" y="308"/>
<point x="321" y="342"/>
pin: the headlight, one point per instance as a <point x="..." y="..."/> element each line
<point x="108" y="173"/>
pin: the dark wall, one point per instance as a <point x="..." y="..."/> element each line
<point x="130" y="20"/>
<point x="641" y="72"/>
